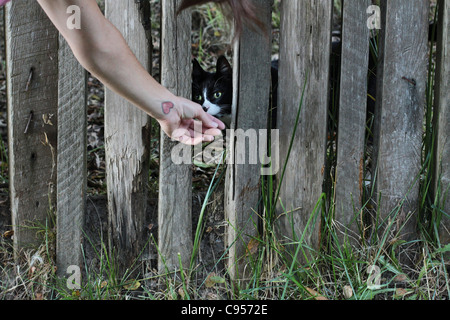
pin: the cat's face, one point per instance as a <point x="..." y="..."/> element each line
<point x="213" y="91"/>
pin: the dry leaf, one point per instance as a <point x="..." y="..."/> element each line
<point x="46" y="118"/>
<point x="208" y="282"/>
<point x="400" y="277"/>
<point x="45" y="143"/>
<point x="213" y="279"/>
<point x="8" y="234"/>
<point x="212" y="296"/>
<point x="32" y="270"/>
<point x="252" y="246"/>
<point x="348" y="292"/>
<point x="132" y="285"/>
<point x="400" y="292"/>
<point x="181" y="292"/>
<point x="315" y="294"/>
<point x="76" y="293"/>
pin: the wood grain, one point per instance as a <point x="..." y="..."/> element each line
<point x="72" y="168"/>
<point x="32" y="93"/>
<point x="175" y="187"/>
<point x="127" y="143"/>
<point x="442" y="107"/>
<point x="252" y="81"/>
<point x="305" y="47"/>
<point x="402" y="78"/>
<point x="352" y="118"/>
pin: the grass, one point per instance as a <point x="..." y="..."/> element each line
<point x="342" y="271"/>
<point x="278" y="269"/>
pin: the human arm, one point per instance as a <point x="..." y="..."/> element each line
<point x="102" y="50"/>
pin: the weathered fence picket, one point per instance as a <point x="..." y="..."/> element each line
<point x="175" y="187"/>
<point x="127" y="137"/>
<point x="252" y="82"/>
<point x="352" y="118"/>
<point x="401" y="83"/>
<point x="32" y="93"/>
<point x="305" y="47"/>
<point x="71" y="174"/>
<point x="442" y="105"/>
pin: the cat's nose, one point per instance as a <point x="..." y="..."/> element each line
<point x="205" y="108"/>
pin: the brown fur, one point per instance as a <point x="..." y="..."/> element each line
<point x="243" y="12"/>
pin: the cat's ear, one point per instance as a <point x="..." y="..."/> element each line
<point x="197" y="70"/>
<point x="223" y="66"/>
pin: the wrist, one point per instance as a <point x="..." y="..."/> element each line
<point x="160" y="104"/>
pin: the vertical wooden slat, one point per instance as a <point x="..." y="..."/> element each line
<point x="71" y="169"/>
<point x="442" y="110"/>
<point x="305" y="47"/>
<point x="32" y="73"/>
<point x="252" y="82"/>
<point x="352" y="117"/>
<point x="401" y="83"/>
<point x="127" y="143"/>
<point x="175" y="187"/>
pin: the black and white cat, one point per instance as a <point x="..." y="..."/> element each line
<point x="214" y="91"/>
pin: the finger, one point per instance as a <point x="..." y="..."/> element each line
<point x="198" y="127"/>
<point x="180" y="133"/>
<point x="193" y="127"/>
<point x="196" y="139"/>
<point x="207" y="137"/>
<point x="208" y="120"/>
<point x="219" y="122"/>
<point x="190" y="137"/>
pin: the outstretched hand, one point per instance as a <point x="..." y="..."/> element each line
<point x="187" y="122"/>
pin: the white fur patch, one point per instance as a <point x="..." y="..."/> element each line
<point x="211" y="108"/>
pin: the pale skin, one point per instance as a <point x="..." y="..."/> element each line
<point x="98" y="45"/>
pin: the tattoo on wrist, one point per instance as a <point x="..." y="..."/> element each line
<point x="167" y="106"/>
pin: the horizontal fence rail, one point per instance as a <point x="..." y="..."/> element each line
<point x="46" y="99"/>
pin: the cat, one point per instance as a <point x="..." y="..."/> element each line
<point x="214" y="90"/>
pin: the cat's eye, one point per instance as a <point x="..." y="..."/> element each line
<point x="198" y="98"/>
<point x="217" y="95"/>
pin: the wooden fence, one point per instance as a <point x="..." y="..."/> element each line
<point x="47" y="125"/>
